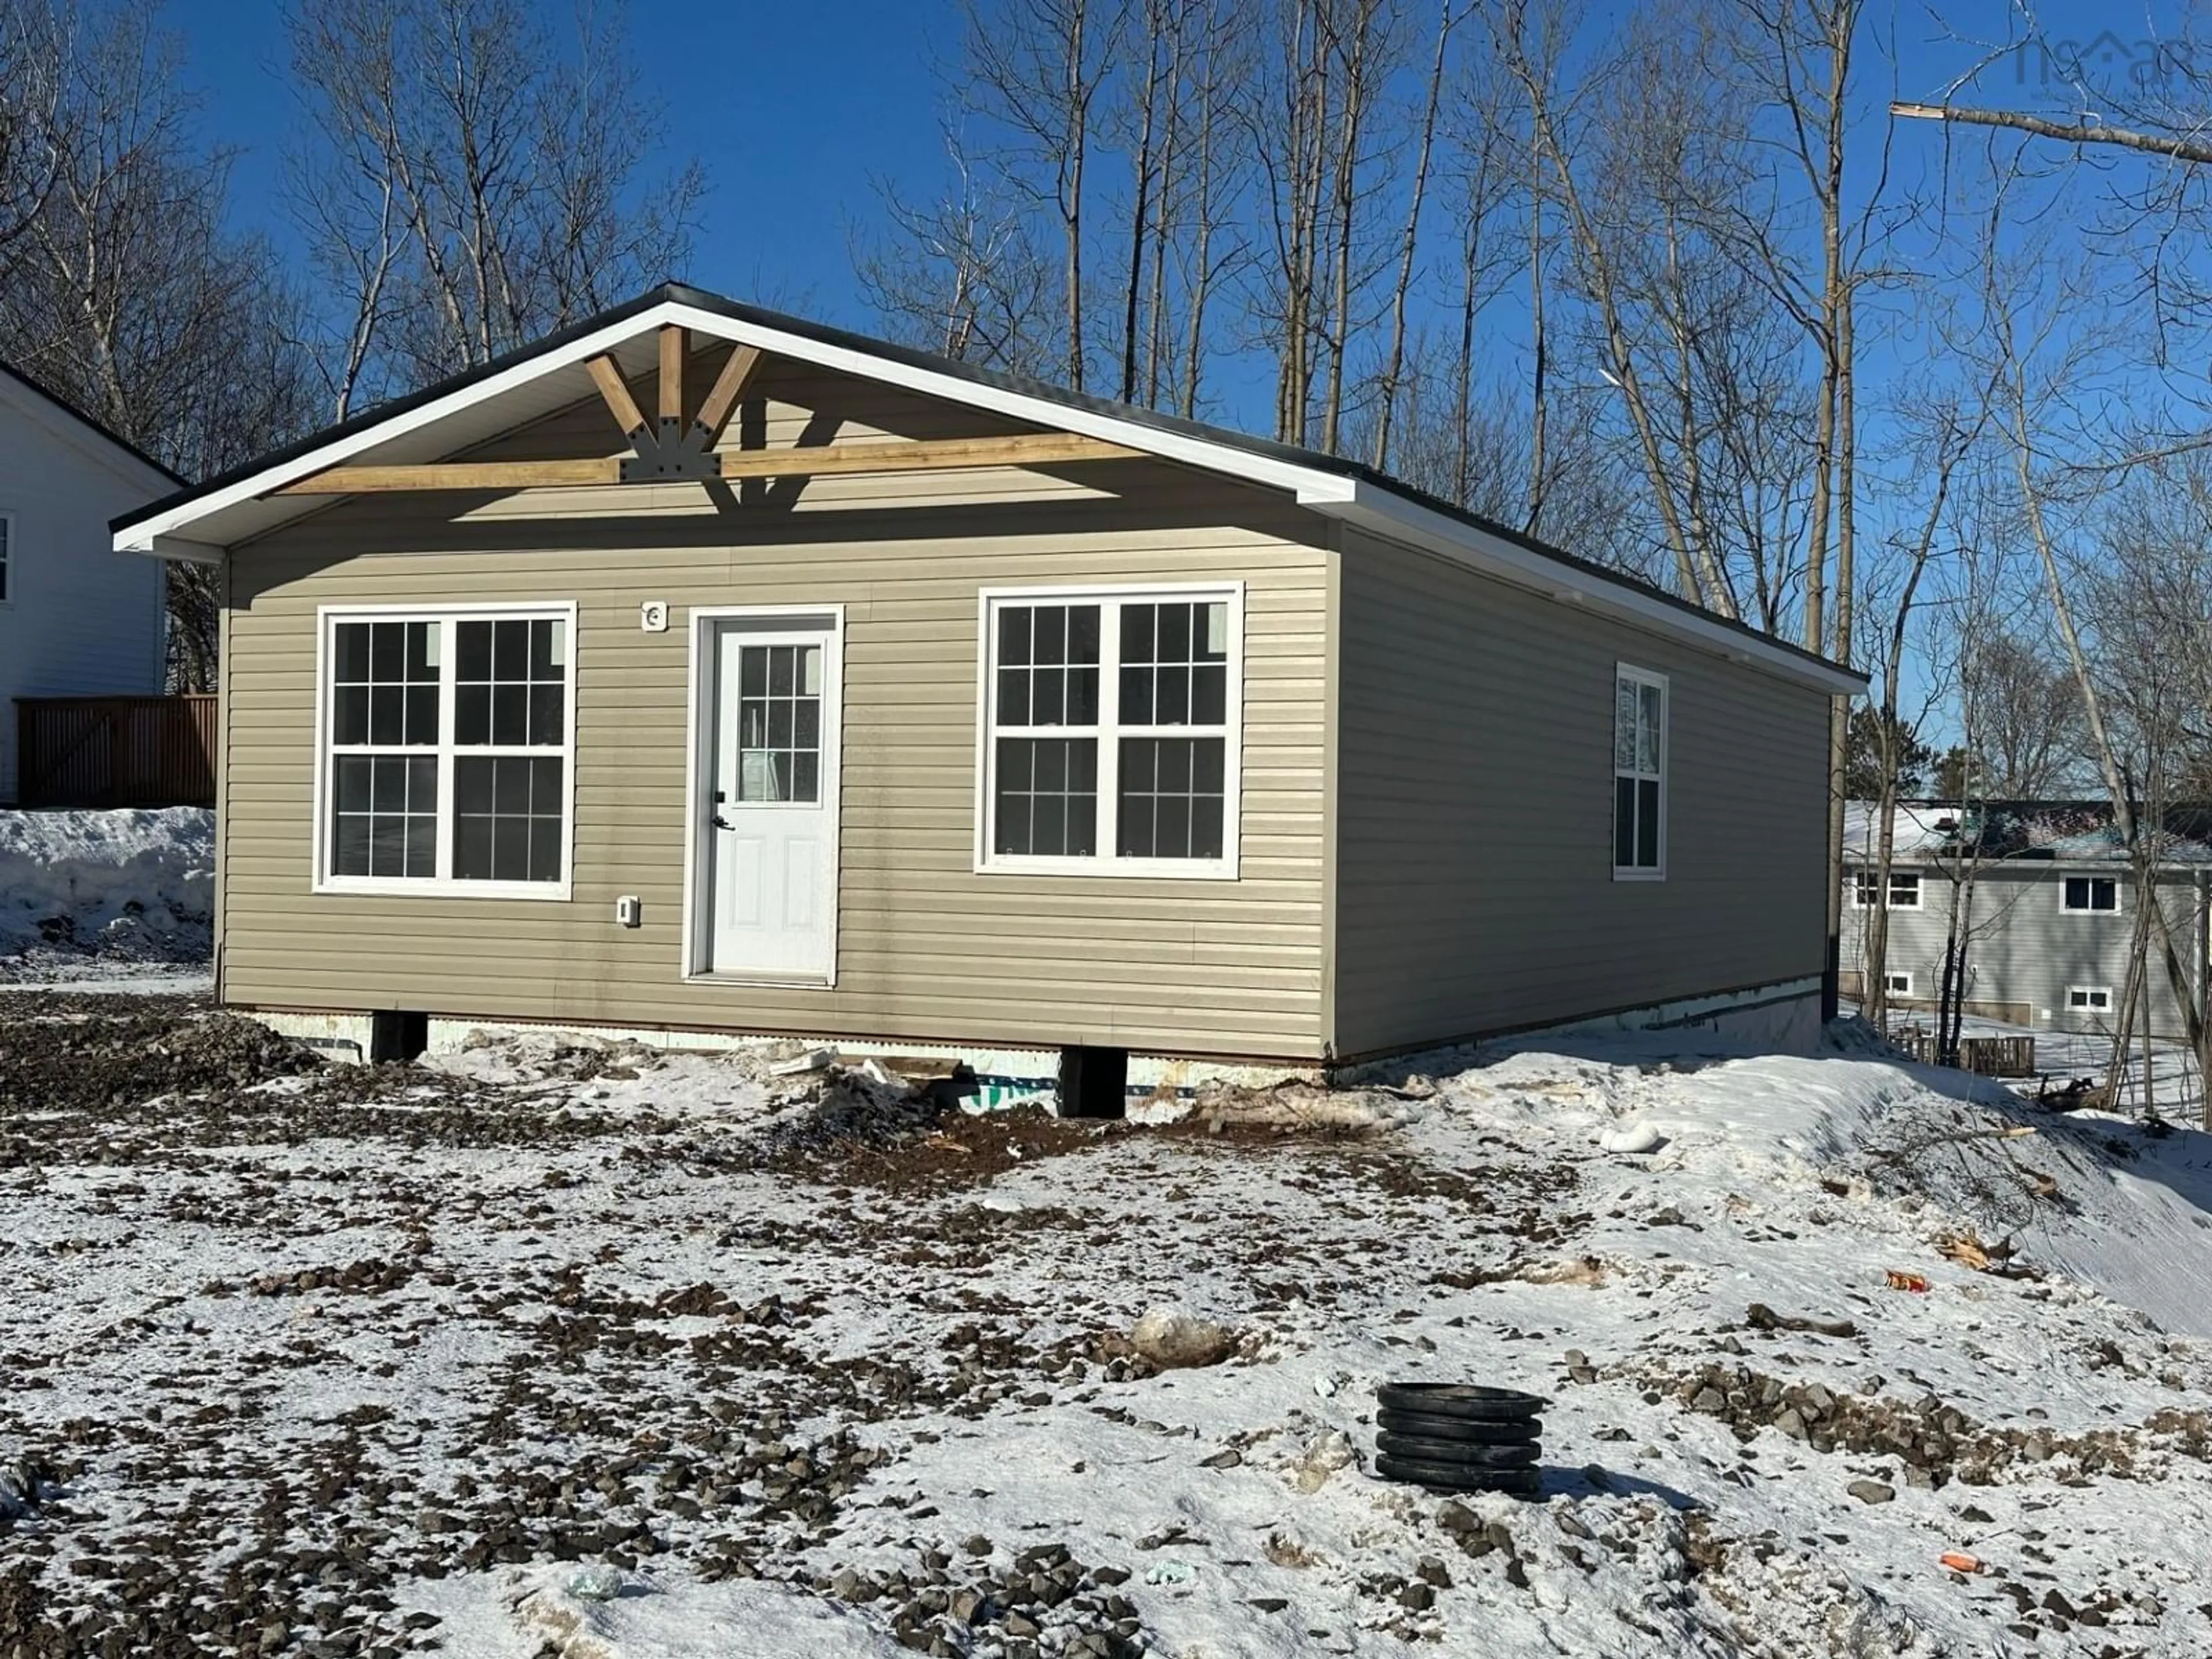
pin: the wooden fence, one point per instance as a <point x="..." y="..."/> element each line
<point x="1990" y="1056"/>
<point x="116" y="751"/>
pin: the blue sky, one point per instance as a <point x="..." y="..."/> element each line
<point x="794" y="108"/>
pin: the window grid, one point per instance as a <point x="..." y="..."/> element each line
<point x="1112" y="787"/>
<point x="779" y="723"/>
<point x="1904" y="889"/>
<point x="1639" y="774"/>
<point x="498" y="813"/>
<point x="2090" y="895"/>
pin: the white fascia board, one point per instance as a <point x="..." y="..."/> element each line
<point x="1392" y="515"/>
<point x="179" y="549"/>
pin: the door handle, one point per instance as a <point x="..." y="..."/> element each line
<point x="718" y="824"/>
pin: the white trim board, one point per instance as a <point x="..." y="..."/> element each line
<point x="700" y="623"/>
<point x="320" y="880"/>
<point x="1358" y="501"/>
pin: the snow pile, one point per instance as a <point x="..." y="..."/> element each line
<point x="126" y="885"/>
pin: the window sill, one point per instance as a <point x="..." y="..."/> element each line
<point x="1620" y="874"/>
<point x="399" y="887"/>
<point x="1119" y="869"/>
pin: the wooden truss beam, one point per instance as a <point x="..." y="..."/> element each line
<point x="607" y="376"/>
<point x="934" y="455"/>
<point x="739" y="372"/>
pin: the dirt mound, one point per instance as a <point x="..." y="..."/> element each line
<point x="84" y="1056"/>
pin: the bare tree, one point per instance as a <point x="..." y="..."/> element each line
<point x="959" y="275"/>
<point x="2030" y="743"/>
<point x="127" y="293"/>
<point x="469" y="187"/>
<point x="1034" y="70"/>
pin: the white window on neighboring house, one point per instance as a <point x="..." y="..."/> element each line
<point x="7" y="556"/>
<point x="1904" y="889"/>
<point x="1896" y="984"/>
<point x="2096" y="999"/>
<point x="1111" y="721"/>
<point x="447" y="750"/>
<point x="2091" y="894"/>
<point x="1640" y="775"/>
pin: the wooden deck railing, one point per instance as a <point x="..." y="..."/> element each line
<point x="116" y="751"/>
<point x="1990" y="1056"/>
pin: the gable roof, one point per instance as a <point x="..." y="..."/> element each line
<point x="538" y="379"/>
<point x="78" y="417"/>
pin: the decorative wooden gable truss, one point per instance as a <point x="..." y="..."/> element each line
<point x="669" y="449"/>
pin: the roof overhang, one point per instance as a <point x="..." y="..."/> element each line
<point x="200" y="524"/>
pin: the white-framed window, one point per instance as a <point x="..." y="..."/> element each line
<point x="1640" y="775"/>
<point x="7" y="557"/>
<point x="2090" y="895"/>
<point x="1904" y="889"/>
<point x="1108" y="730"/>
<point x="2093" y="999"/>
<point x="1896" y="984"/>
<point x="446" y="750"/>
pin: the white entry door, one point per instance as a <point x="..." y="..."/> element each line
<point x="770" y="811"/>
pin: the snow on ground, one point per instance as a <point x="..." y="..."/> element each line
<point x="100" y="894"/>
<point x="581" y="1350"/>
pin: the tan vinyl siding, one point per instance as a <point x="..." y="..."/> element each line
<point x="927" y="949"/>
<point x="1474" y="814"/>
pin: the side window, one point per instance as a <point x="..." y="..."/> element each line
<point x="1639" y="774"/>
<point x="2091" y="895"/>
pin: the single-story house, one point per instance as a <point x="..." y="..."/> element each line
<point x="836" y="690"/>
<point x="77" y="618"/>
<point x="2046" y="902"/>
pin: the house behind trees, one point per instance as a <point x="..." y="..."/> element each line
<point x="2047" y="910"/>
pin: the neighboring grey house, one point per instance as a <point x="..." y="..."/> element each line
<point x="852" y="694"/>
<point x="2051" y="916"/>
<point x="77" y="617"/>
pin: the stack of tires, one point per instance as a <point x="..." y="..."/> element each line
<point x="1458" y="1436"/>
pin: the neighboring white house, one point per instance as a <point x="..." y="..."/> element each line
<point x="76" y="618"/>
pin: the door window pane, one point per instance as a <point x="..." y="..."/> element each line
<point x="779" y="723"/>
